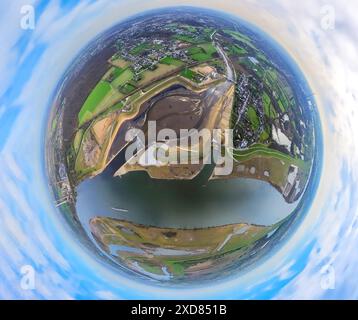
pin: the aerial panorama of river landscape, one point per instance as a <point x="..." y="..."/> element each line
<point x="176" y="152"/>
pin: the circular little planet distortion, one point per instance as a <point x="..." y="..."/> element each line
<point x="173" y="74"/>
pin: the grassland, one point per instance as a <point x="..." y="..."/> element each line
<point x="116" y="72"/>
<point x="262" y="150"/>
<point x="237" y="51"/>
<point x="269" y="110"/>
<point x="277" y="84"/>
<point x="264" y="136"/>
<point x="78" y="140"/>
<point x="106" y="93"/>
<point x="190" y="74"/>
<point x="172" y="61"/>
<point x="122" y="77"/>
<point x="202" y="52"/>
<point x="120" y="63"/>
<point x="187" y="38"/>
<point x="101" y="90"/>
<point x="118" y="106"/>
<point x="148" y="76"/>
<point x="194" y="50"/>
<point x="208" y="48"/>
<point x="139" y="49"/>
<point x="127" y="88"/>
<point x="241" y="38"/>
<point x="200" y="57"/>
<point x="254" y="119"/>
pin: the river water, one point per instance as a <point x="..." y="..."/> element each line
<point x="198" y="203"/>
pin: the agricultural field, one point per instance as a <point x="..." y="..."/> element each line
<point x="191" y="75"/>
<point x="281" y="89"/>
<point x="98" y="94"/>
<point x="236" y="50"/>
<point x="254" y="119"/>
<point x="148" y="76"/>
<point x="127" y="88"/>
<point x="262" y="150"/>
<point x="241" y="38"/>
<point x="172" y="61"/>
<point x="187" y="38"/>
<point x="122" y="77"/>
<point x="118" y="62"/>
<point x="269" y="110"/>
<point x="141" y="48"/>
<point x="202" y="52"/>
<point x="78" y="140"/>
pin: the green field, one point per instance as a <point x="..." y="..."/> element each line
<point x="264" y="136"/>
<point x="219" y="64"/>
<point x="116" y="107"/>
<point x="119" y="62"/>
<point x="122" y="78"/>
<point x="95" y="97"/>
<point x="113" y="73"/>
<point x="172" y="61"/>
<point x="265" y="151"/>
<point x="161" y="70"/>
<point x="127" y="88"/>
<point x="284" y="96"/>
<point x="78" y="140"/>
<point x="177" y="268"/>
<point x="117" y="72"/>
<point x="54" y="124"/>
<point x="103" y="94"/>
<point x="254" y="119"/>
<point x="190" y="74"/>
<point x="194" y="50"/>
<point x="186" y="38"/>
<point x="241" y="38"/>
<point x="140" y="49"/>
<point x="200" y="57"/>
<point x="202" y="52"/>
<point x="269" y="110"/>
<point x="263" y="58"/>
<point x="237" y="51"/>
<point x="208" y="48"/>
<point x="282" y="107"/>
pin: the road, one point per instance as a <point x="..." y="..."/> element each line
<point x="230" y="71"/>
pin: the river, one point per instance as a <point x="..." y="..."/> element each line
<point x="180" y="204"/>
